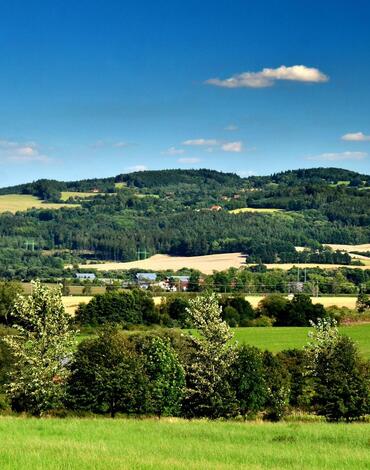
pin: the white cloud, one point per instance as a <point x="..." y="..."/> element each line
<point x="120" y="144"/>
<point x="208" y="142"/>
<point x="188" y="160"/>
<point x="99" y="144"/>
<point x="231" y="127"/>
<point x="356" y="137"/>
<point x="173" y="151"/>
<point x="337" y="156"/>
<point x="232" y="147"/>
<point x="135" y="168"/>
<point x="267" y="77"/>
<point x="22" y="152"/>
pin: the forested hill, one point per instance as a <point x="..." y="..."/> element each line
<point x="188" y="212"/>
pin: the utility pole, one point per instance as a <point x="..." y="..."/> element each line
<point x="139" y="254"/>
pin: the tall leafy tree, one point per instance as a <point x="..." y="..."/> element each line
<point x="41" y="348"/>
<point x="209" y="392"/>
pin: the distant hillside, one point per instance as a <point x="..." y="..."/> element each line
<point x="187" y="213"/>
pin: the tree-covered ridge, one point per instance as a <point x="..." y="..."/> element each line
<point x="188" y="212"/>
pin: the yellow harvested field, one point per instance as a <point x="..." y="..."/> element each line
<point x="327" y="301"/>
<point x="287" y="266"/>
<point x="71" y="302"/>
<point x="22" y="202"/>
<point x="254" y="209"/>
<point x="206" y="264"/>
<point x="349" y="248"/>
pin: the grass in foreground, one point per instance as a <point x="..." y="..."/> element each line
<point x="106" y="444"/>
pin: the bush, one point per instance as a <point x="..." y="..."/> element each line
<point x="237" y="311"/>
<point x="341" y="382"/>
<point x="295" y="362"/>
<point x="247" y="380"/>
<point x="128" y="307"/>
<point x="117" y="373"/>
<point x="107" y="375"/>
<point x="277" y="381"/>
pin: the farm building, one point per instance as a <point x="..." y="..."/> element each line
<point x="86" y="276"/>
<point x="144" y="280"/>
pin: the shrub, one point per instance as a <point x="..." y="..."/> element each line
<point x="295" y="362"/>
<point x="247" y="380"/>
<point x="277" y="381"/>
<point x="107" y="375"/>
<point x="128" y="307"/>
<point x="341" y="382"/>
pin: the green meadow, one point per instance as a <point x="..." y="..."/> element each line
<point x="105" y="444"/>
<point x="277" y="338"/>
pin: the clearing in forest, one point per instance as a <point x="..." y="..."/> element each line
<point x="22" y="202"/>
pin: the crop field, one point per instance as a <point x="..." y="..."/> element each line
<point x="106" y="444"/>
<point x="206" y="264"/>
<point x="22" y="202"/>
<point x="72" y="302"/>
<point x="349" y="248"/>
<point x="254" y="209"/>
<point x="326" y="301"/>
<point x="277" y="338"/>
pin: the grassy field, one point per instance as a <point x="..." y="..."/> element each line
<point x="105" y="444"/>
<point x="277" y="338"/>
<point x="254" y="209"/>
<point x="22" y="202"/>
<point x="65" y="195"/>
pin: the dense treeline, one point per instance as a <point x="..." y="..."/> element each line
<point x="169" y="212"/>
<point x="163" y="373"/>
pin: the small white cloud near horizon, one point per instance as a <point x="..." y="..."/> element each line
<point x="338" y="156"/>
<point x="136" y="168"/>
<point x="267" y="77"/>
<point x="231" y="128"/>
<point x="356" y="137"/>
<point x="232" y="147"/>
<point x="189" y="160"/>
<point x="173" y="151"/>
<point x="200" y="142"/>
<point x="22" y="152"/>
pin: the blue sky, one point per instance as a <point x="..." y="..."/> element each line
<point x="97" y="88"/>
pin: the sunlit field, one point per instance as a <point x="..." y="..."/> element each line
<point x="22" y="202"/>
<point x="278" y="338"/>
<point x="254" y="209"/>
<point x="105" y="444"/>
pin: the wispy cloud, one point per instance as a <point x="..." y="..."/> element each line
<point x="337" y="156"/>
<point x="135" y="168"/>
<point x="173" y="151"/>
<point x="200" y="142"/>
<point x="189" y="160"/>
<point x="232" y="147"/>
<point x="231" y="128"/>
<point x="267" y="77"/>
<point x="101" y="144"/>
<point x="22" y="152"/>
<point x="356" y="137"/>
<point x="214" y="144"/>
